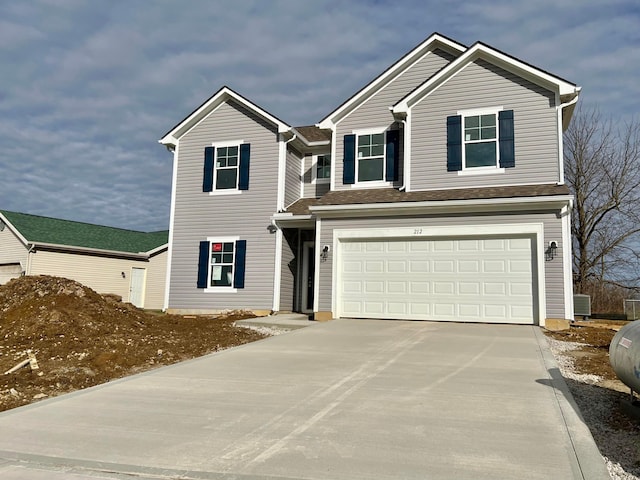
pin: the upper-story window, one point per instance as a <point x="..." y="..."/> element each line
<point x="226" y="167"/>
<point x="371" y="158"/>
<point x="323" y="168"/>
<point x="480" y="141"/>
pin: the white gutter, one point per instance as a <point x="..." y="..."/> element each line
<point x="95" y="251"/>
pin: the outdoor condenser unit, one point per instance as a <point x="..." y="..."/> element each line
<point x="582" y="305"/>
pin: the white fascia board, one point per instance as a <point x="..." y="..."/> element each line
<point x="430" y="44"/>
<point x="95" y="251"/>
<point x="14" y="230"/>
<point x="480" y="50"/>
<point x="223" y="95"/>
<point x="442" y="206"/>
<point x="153" y="251"/>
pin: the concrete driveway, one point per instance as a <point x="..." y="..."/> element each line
<point x="348" y="399"/>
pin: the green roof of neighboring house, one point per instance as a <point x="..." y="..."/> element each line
<point x="36" y="229"/>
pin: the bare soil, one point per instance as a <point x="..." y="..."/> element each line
<point x="80" y="338"/>
<point x="593" y="356"/>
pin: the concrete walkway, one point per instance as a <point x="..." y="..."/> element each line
<point x="348" y="399"/>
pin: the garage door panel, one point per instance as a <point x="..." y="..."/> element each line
<point x="478" y="279"/>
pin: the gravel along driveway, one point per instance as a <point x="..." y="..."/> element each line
<point x="616" y="435"/>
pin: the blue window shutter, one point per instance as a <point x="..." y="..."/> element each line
<point x="243" y="174"/>
<point x="207" y="178"/>
<point x="241" y="255"/>
<point x="349" y="160"/>
<point x="454" y="143"/>
<point x="393" y="155"/>
<point x="203" y="264"/>
<point x="506" y="140"/>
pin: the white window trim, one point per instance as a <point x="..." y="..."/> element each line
<point x="225" y="191"/>
<point x="488" y="170"/>
<point x="314" y="169"/>
<point x="209" y="288"/>
<point x="371" y="183"/>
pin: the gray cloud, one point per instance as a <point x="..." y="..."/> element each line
<point x="87" y="88"/>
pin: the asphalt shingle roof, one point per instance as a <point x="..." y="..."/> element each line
<point x="55" y="231"/>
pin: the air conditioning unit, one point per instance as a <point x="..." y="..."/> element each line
<point x="581" y="305"/>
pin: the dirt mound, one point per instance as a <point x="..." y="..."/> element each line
<point x="81" y="338"/>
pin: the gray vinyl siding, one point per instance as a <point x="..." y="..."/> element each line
<point x="554" y="279"/>
<point x="199" y="215"/>
<point x="292" y="177"/>
<point x="481" y="85"/>
<point x="312" y="189"/>
<point x="12" y="250"/>
<point x="288" y="271"/>
<point x="374" y="111"/>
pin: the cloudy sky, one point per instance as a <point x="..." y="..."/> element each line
<point x="87" y="88"/>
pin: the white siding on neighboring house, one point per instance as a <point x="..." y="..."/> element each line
<point x="200" y="215"/>
<point x="482" y="85"/>
<point x="12" y="250"/>
<point x="102" y="274"/>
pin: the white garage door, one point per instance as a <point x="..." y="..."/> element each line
<point x="473" y="279"/>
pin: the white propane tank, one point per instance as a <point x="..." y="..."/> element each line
<point x="624" y="355"/>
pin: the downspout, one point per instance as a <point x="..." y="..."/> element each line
<point x="406" y="166"/>
<point x="559" y="110"/>
<point x="31" y="250"/>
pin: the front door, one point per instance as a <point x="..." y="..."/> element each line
<point x="308" y="276"/>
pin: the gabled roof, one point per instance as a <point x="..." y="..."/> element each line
<point x="433" y="42"/>
<point x="53" y="232"/>
<point x="221" y="96"/>
<point x="479" y="50"/>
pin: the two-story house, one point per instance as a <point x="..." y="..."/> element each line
<point x="435" y="192"/>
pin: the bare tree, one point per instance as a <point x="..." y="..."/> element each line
<point x="602" y="168"/>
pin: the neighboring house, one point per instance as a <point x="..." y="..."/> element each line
<point x="435" y="192"/>
<point x="127" y="263"/>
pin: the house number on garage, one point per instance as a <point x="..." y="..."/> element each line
<point x="417" y="231"/>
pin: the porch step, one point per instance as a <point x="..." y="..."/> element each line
<point x="282" y="320"/>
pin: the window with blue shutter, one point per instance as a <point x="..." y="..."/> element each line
<point x="226" y="167"/>
<point x="241" y="255"/>
<point x="221" y="264"/>
<point x="203" y="265"/>
<point x="454" y="143"/>
<point x="392" y="155"/>
<point x="349" y="160"/>
<point x="507" y="144"/>
<point x="480" y="141"/>
<point x="245" y="153"/>
<point x="207" y="180"/>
